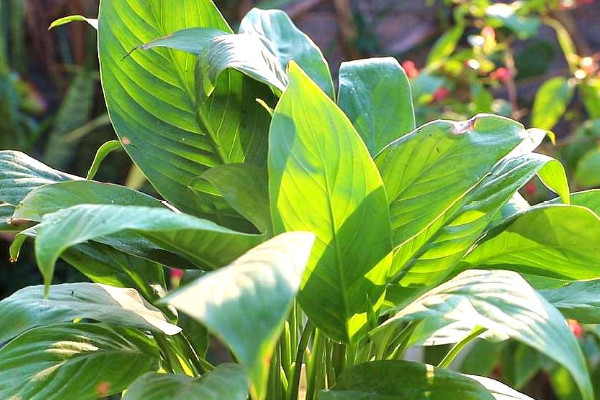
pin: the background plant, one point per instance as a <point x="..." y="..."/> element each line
<point x="119" y="237"/>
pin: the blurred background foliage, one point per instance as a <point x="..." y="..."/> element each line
<point x="535" y="61"/>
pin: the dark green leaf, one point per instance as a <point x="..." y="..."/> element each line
<point x="375" y="95"/>
<point x="74" y="361"/>
<point x="577" y="300"/>
<point x="226" y="382"/>
<point x="392" y="380"/>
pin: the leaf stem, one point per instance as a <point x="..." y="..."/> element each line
<point x="478" y="330"/>
<point x="294" y="385"/>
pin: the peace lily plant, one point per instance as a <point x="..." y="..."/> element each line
<point x="322" y="235"/>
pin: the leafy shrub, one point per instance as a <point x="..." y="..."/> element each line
<point x="327" y="234"/>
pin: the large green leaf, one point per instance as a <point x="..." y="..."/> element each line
<point x="556" y="241"/>
<point x="322" y="179"/>
<point x="226" y="382"/>
<point x="288" y="43"/>
<point x="74" y="362"/>
<point x="504" y="303"/>
<point x="587" y="198"/>
<point x="245" y="303"/>
<point x="151" y="98"/>
<point x="375" y="95"/>
<point x="551" y="102"/>
<point x="391" y="380"/>
<point x="431" y="257"/>
<point x="586" y="173"/>
<point x="245" y="188"/>
<point x="577" y="300"/>
<point x="20" y="174"/>
<point x="54" y="197"/>
<point x="27" y="308"/>
<point x="425" y="180"/>
<point x="204" y="243"/>
<point x="499" y="390"/>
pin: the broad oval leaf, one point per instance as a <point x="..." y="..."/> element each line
<point x="245" y="303"/>
<point x="20" y="174"/>
<point x="322" y="179"/>
<point x="429" y="172"/>
<point x="226" y="382"/>
<point x="375" y="95"/>
<point x="27" y="308"/>
<point x="431" y="258"/>
<point x="504" y="303"/>
<point x="577" y="300"/>
<point x="151" y="99"/>
<point x="74" y="361"/>
<point x="551" y="102"/>
<point x="204" y="243"/>
<point x="390" y="380"/>
<point x="556" y="241"/>
<point x="289" y="43"/>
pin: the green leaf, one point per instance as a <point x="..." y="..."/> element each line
<point x="72" y="18"/>
<point x="445" y="45"/>
<point x="186" y="137"/>
<point x="191" y="40"/>
<point x="551" y="102"/>
<point x="587" y="198"/>
<point x="481" y="357"/>
<point x="499" y="390"/>
<point x="101" y="154"/>
<point x="206" y="244"/>
<point x="590" y="91"/>
<point x="504" y="303"/>
<point x="245" y="303"/>
<point x="364" y="95"/>
<point x="424" y="179"/>
<point x="55" y="197"/>
<point x="289" y="43"/>
<point x="227" y="381"/>
<point x="245" y="188"/>
<point x="520" y="363"/>
<point x="577" y="300"/>
<point x="315" y="186"/>
<point x="431" y="257"/>
<point x="587" y="173"/>
<point x="20" y="174"/>
<point x="27" y="308"/>
<point x="75" y="110"/>
<point x="555" y="241"/>
<point x="389" y="380"/>
<point x="74" y="361"/>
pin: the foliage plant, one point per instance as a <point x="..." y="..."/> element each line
<point x="321" y="234"/>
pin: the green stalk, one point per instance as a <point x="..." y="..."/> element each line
<point x="459" y="346"/>
<point x="286" y="349"/>
<point x="329" y="368"/>
<point x="403" y="340"/>
<point x="314" y="373"/>
<point x="294" y="385"/>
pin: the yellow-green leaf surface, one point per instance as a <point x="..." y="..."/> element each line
<point x="556" y="241"/>
<point x="245" y="303"/>
<point x="375" y="95"/>
<point x="322" y="179"/>
<point x="551" y="102"/>
<point x="74" y="361"/>
<point x="429" y="172"/>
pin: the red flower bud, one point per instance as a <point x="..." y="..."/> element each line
<point x="576" y="328"/>
<point x="530" y="189"/>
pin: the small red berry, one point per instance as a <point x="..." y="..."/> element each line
<point x="410" y="68"/>
<point x="530" y="189"/>
<point x="441" y="94"/>
<point x="176" y="273"/>
<point x="502" y="74"/>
